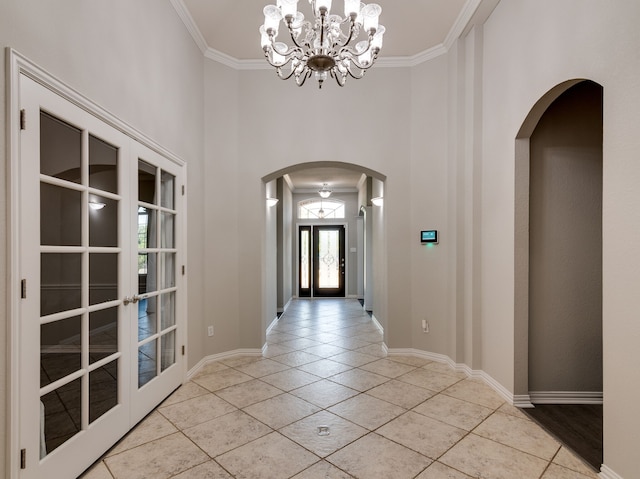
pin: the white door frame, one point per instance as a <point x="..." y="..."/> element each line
<point x="18" y="65"/>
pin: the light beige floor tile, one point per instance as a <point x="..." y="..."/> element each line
<point x="97" y="471"/>
<point x="401" y="394"/>
<point x="340" y="432"/>
<point x="390" y="369"/>
<point x="432" y="380"/>
<point x="276" y="350"/>
<point x="524" y="435"/>
<point x="453" y="411"/>
<point x="281" y="410"/>
<point x="353" y="358"/>
<point x="208" y="470"/>
<point x="221" y="379"/>
<point x="371" y="337"/>
<point x="186" y="391"/>
<point x="375" y="457"/>
<point x="227" y="432"/>
<point x="513" y="411"/>
<point x="196" y="411"/>
<point x="376" y="350"/>
<point x="444" y="368"/>
<point x="159" y="459"/>
<point x="244" y="394"/>
<point x="477" y="392"/>
<point x="324" y="393"/>
<point x="325" y="368"/>
<point x="239" y="360"/>
<point x="270" y="457"/>
<point x="153" y="427"/>
<point x="422" y="434"/>
<point x="300" y="343"/>
<point x="290" y="379"/>
<point x="296" y="358"/>
<point x="325" y="350"/>
<point x="264" y="367"/>
<point x="566" y="458"/>
<point x="212" y="367"/>
<point x="322" y="470"/>
<point x="558" y="472"/>
<point x="278" y="337"/>
<point x="359" y="380"/>
<point x="349" y="343"/>
<point x="440" y="471"/>
<point x="367" y="411"/>
<point x="479" y="457"/>
<point x="410" y="360"/>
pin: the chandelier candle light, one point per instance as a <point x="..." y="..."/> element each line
<point x="326" y="46"/>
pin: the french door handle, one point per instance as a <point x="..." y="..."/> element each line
<point x="133" y="299"/>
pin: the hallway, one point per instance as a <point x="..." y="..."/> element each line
<point x="324" y="401"/>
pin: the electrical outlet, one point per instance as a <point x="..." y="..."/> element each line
<point x="425" y="326"/>
<point x="210" y="330"/>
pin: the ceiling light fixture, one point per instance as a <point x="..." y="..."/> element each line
<point x="96" y="205"/>
<point x="377" y="201"/>
<point x="328" y="45"/>
<point x="272" y="202"/>
<point x="325" y="192"/>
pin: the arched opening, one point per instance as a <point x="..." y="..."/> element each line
<point x="284" y="224"/>
<point x="558" y="314"/>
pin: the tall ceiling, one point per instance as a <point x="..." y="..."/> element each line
<point x="228" y="30"/>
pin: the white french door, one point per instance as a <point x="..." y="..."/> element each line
<point x="101" y="314"/>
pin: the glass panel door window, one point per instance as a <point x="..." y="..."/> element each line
<point x="321" y="261"/>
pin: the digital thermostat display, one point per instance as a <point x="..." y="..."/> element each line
<point x="429" y="236"/>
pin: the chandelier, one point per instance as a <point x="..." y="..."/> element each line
<point x="325" y="192"/>
<point x="328" y="45"/>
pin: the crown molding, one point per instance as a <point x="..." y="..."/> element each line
<point x="459" y="27"/>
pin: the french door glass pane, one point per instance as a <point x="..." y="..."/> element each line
<point x="60" y="350"/>
<point x="146" y="228"/>
<point x="167" y="184"/>
<point x="168" y="313"/>
<point x="60" y="149"/>
<point x="103" y="334"/>
<point x="60" y="410"/>
<point x="103" y="222"/>
<point x="329" y="254"/>
<point x="60" y="282"/>
<point x="147" y="365"/>
<point x="147" y="322"/>
<point x="147" y="268"/>
<point x="146" y="182"/>
<point x="168" y="271"/>
<point x="60" y="216"/>
<point x="168" y="349"/>
<point x="103" y="165"/>
<point x="103" y="277"/>
<point x="168" y="229"/>
<point x="103" y="390"/>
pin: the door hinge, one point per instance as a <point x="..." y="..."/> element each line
<point x="23" y="289"/>
<point x="182" y="190"/>
<point x="183" y="349"/>
<point x="23" y="458"/>
<point x="183" y="270"/>
<point x="23" y="119"/>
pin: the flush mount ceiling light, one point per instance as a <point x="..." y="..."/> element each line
<point x="325" y="192"/>
<point x="328" y="45"/>
<point x="96" y="205"/>
<point x="272" y="202"/>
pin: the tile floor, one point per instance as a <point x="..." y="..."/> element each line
<point x="325" y="401"/>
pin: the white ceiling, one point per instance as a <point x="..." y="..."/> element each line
<point x="227" y="31"/>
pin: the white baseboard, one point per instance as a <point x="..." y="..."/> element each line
<point x="217" y="357"/>
<point x="273" y="324"/>
<point x="522" y="401"/>
<point x="566" y="397"/>
<point x="607" y="473"/>
<point x="377" y="324"/>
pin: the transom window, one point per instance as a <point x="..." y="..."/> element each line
<point x="320" y="209"/>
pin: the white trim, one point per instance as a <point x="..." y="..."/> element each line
<point x="522" y="401"/>
<point x="566" y="397"/>
<point x="273" y="324"/>
<point x="457" y="29"/>
<point x="219" y="357"/>
<point x="377" y="324"/>
<point x="607" y="473"/>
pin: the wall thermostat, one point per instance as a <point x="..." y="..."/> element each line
<point x="429" y="236"/>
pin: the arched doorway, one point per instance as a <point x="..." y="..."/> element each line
<point x="558" y="320"/>
<point x="281" y="273"/>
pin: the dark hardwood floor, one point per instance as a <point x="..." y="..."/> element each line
<point x="577" y="426"/>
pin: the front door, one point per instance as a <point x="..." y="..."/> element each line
<point x="97" y="350"/>
<point x="322" y="261"/>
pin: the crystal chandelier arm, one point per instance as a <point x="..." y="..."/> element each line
<point x="340" y="79"/>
